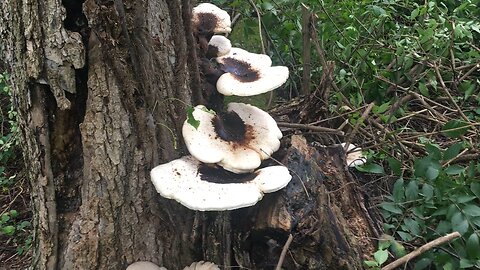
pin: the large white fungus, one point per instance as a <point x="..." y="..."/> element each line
<point x="248" y="74"/>
<point x="205" y="187"/>
<point x="237" y="140"/>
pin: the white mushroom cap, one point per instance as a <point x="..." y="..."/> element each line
<point x="255" y="60"/>
<point x="249" y="74"/>
<point x="354" y="155"/>
<point x="265" y="80"/>
<point x="202" y="187"/>
<point x="208" y="18"/>
<point x="218" y="46"/>
<point x="238" y="140"/>
<point x="201" y="265"/>
<point x="144" y="265"/>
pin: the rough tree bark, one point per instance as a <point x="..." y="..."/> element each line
<point x="97" y="84"/>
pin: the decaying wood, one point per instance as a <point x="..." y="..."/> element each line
<point x="330" y="227"/>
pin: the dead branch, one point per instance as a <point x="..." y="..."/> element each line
<point x="284" y="252"/>
<point x="310" y="127"/>
<point x="421" y="250"/>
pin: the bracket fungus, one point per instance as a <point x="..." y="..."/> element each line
<point x="209" y="19"/>
<point x="201" y="265"/>
<point x="227" y="147"/>
<point x="144" y="265"/>
<point x="205" y="187"/>
<point x="218" y="46"/>
<point x="248" y="74"/>
<point x="237" y="140"/>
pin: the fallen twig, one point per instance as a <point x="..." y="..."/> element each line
<point x="421" y="250"/>
<point x="284" y="252"/>
<point x="310" y="127"/>
<point x="445" y="89"/>
<point x="359" y="122"/>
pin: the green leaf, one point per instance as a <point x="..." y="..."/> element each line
<point x="13" y="213"/>
<point x="459" y="223"/>
<point x="385" y="241"/>
<point x="454" y="169"/>
<point x="455" y="128"/>
<point x="23" y="225"/>
<point x="371" y="168"/>
<point x="423" y="89"/>
<point x="427" y="191"/>
<point x="465" y="263"/>
<point x="381" y="256"/>
<point x="434" y="151"/>
<point x="412" y="226"/>
<point x="405" y="236"/>
<point x="473" y="246"/>
<point x="4" y="218"/>
<point x="433" y="171"/>
<point x="391" y="207"/>
<point x="399" y="191"/>
<point x="422" y="263"/>
<point x="395" y="166"/>
<point x="371" y="263"/>
<point x="382" y="108"/>
<point x="427" y="167"/>
<point x="191" y="119"/>
<point x="471" y="210"/>
<point x="414" y="14"/>
<point x="398" y="249"/>
<point x="464" y="198"/>
<point x="8" y="230"/>
<point x="453" y="151"/>
<point x="411" y="191"/>
<point x="448" y="266"/>
<point x="475" y="188"/>
<point x="444" y="227"/>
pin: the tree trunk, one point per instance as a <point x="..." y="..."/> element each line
<point x="100" y="88"/>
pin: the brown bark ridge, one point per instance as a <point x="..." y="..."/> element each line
<point x="93" y="82"/>
<point x="100" y="86"/>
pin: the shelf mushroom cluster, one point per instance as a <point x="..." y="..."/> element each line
<point x="227" y="147"/>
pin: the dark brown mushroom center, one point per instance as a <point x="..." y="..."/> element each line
<point x="218" y="175"/>
<point x="206" y="23"/>
<point x="242" y="71"/>
<point x="212" y="51"/>
<point x="230" y="127"/>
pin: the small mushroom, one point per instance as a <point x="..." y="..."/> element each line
<point x="201" y="265"/>
<point x="218" y="46"/>
<point x="354" y="155"/>
<point x="249" y="74"/>
<point x="209" y="19"/>
<point x="238" y="140"/>
<point x="205" y="187"/>
<point x="144" y="265"/>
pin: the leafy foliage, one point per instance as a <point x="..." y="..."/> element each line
<point x="418" y="63"/>
<point x="439" y="199"/>
<point x="14" y="224"/>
